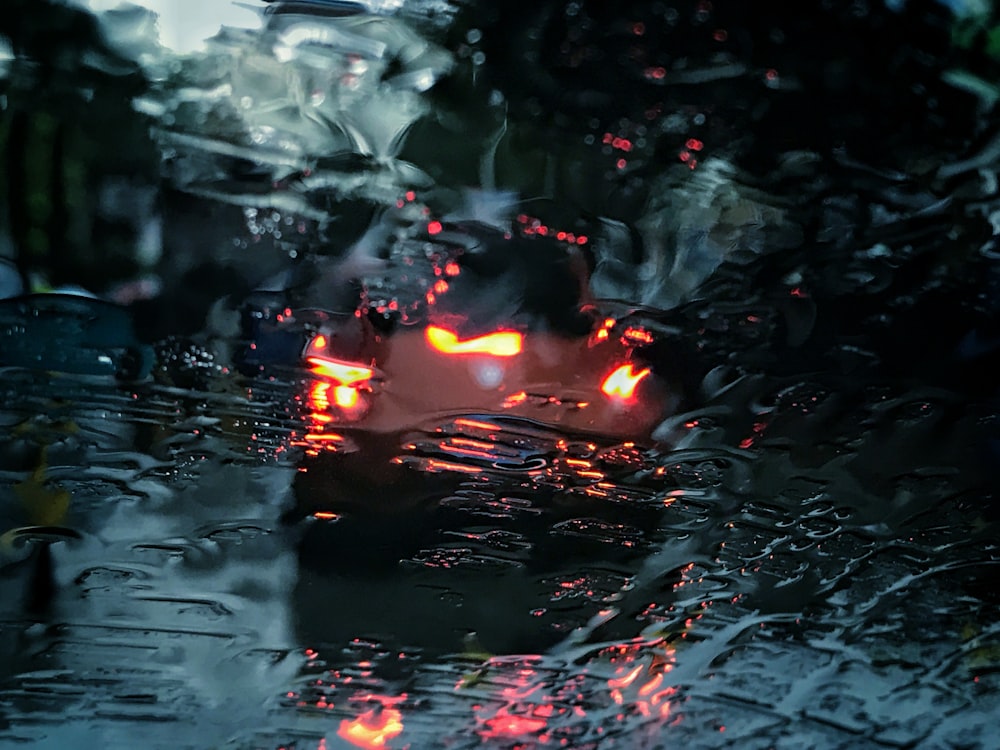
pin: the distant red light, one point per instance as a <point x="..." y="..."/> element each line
<point x="638" y="335"/>
<point x="434" y="227"/>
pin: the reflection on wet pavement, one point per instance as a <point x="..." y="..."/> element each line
<point x="538" y="589"/>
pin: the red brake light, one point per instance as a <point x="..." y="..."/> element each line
<point x="345" y="373"/>
<point x="499" y="344"/>
<point x="622" y="381"/>
<point x="345" y="396"/>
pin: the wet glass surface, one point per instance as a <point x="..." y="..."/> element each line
<point x="435" y="374"/>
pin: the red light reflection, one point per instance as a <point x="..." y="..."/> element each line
<point x="505" y="724"/>
<point x="536" y="711"/>
<point x="372" y="729"/>
<point x="621" y="383"/>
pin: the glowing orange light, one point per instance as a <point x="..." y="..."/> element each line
<point x="499" y="344"/>
<point x="622" y="382"/>
<point x="345" y="373"/>
<point x="471" y="443"/>
<point x="471" y="448"/>
<point x="625" y="681"/>
<point x="319" y="342"/>
<point x="462" y="422"/>
<point x="650" y="686"/>
<point x="435" y="465"/>
<point x="372" y="729"/>
<point x="324" y="437"/>
<point x="319" y="396"/>
<point x="515" y="399"/>
<point x="640" y="335"/>
<point x="345" y="396"/>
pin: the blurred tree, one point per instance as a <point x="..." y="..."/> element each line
<point x="78" y="170"/>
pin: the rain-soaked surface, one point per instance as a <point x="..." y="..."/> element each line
<point x="424" y="373"/>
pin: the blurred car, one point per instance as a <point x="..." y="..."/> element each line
<point x="494" y="322"/>
<point x="599" y="382"/>
<point x="71" y="333"/>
